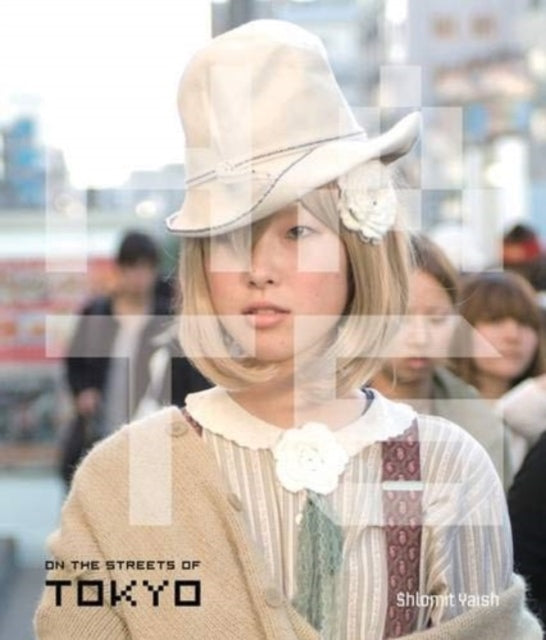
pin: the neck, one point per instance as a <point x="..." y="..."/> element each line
<point x="129" y="304"/>
<point x="397" y="389"/>
<point x="416" y="393"/>
<point x="278" y="404"/>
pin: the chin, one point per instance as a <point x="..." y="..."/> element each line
<point x="413" y="377"/>
<point x="272" y="358"/>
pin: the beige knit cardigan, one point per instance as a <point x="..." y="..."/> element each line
<point x="174" y="506"/>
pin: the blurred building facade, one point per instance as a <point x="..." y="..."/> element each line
<point x="23" y="165"/>
<point x="531" y="26"/>
<point x="475" y="69"/>
<point x="477" y="95"/>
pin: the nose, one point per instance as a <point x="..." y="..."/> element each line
<point x="417" y="330"/>
<point x="511" y="329"/>
<point x="264" y="270"/>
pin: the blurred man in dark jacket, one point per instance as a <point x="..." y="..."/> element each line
<point x="107" y="362"/>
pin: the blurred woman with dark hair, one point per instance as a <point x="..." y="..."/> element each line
<point x="414" y="371"/>
<point x="503" y="330"/>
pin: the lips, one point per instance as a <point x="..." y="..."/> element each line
<point x="265" y="315"/>
<point x="418" y="363"/>
<point x="263" y="308"/>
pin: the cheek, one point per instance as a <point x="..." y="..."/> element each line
<point x="403" y="344"/>
<point x="325" y="293"/>
<point x="442" y="335"/>
<point x="531" y="344"/>
<point x="484" y="343"/>
<point x="221" y="287"/>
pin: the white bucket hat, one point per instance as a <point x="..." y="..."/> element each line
<point x="265" y="123"/>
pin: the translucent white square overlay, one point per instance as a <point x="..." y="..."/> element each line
<point x="378" y="324"/>
<point x="65" y="223"/>
<point x="58" y="326"/>
<point x="58" y="329"/>
<point x="411" y="201"/>
<point x="479" y="421"/>
<point x="363" y="505"/>
<point x="400" y="85"/>
<point x="225" y="257"/>
<point x="418" y="330"/>
<point x="66" y="232"/>
<point x="64" y="325"/>
<point x="150" y="474"/>
<point x="459" y="239"/>
<point x="481" y="218"/>
<point x="311" y="260"/>
<point x="209" y="326"/>
<point x="442" y="157"/>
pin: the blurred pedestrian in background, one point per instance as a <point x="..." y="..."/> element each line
<point x="504" y="331"/>
<point x="416" y="372"/>
<point x="520" y="246"/>
<point x="527" y="506"/>
<point x="171" y="375"/>
<point x="522" y="253"/>
<point x="107" y="361"/>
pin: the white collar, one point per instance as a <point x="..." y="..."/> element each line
<point x="217" y="412"/>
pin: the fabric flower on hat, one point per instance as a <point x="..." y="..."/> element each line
<point x="309" y="458"/>
<point x="367" y="201"/>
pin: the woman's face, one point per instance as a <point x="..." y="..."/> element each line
<point x="424" y="337"/>
<point x="515" y="343"/>
<point x="287" y="293"/>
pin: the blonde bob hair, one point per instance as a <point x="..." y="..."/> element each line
<point x="378" y="292"/>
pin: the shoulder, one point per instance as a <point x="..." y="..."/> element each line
<point x="443" y="441"/>
<point x="108" y="459"/>
<point x="397" y="416"/>
<point x="100" y="305"/>
<point x="440" y="439"/>
<point x="459" y="477"/>
<point x="448" y="385"/>
<point x="456" y="471"/>
<point x="108" y="490"/>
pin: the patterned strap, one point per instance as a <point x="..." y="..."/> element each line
<point x="193" y="423"/>
<point x="402" y="509"/>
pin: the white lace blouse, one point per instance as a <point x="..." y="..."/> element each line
<point x="466" y="546"/>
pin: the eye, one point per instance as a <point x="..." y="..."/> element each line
<point x="299" y="231"/>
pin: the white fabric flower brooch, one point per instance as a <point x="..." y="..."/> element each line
<point x="309" y="457"/>
<point x="367" y="201"/>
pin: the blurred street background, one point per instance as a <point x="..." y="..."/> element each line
<point x="90" y="146"/>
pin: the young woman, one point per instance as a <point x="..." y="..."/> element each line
<point x="299" y="506"/>
<point x="416" y="372"/>
<point x="504" y="328"/>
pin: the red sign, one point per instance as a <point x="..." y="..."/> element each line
<point x="29" y="294"/>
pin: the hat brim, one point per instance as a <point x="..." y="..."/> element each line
<point x="230" y="202"/>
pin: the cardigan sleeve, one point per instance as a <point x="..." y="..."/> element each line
<point x="60" y="614"/>
<point x="467" y="540"/>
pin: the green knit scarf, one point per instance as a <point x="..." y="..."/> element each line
<point x="319" y="556"/>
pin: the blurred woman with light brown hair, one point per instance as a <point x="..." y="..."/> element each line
<point x="503" y="336"/>
<point x="415" y="372"/>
